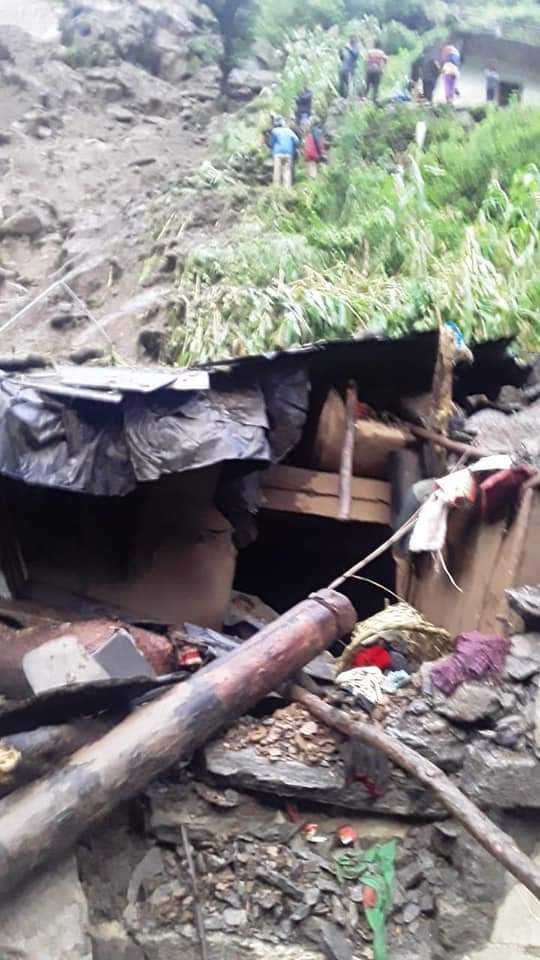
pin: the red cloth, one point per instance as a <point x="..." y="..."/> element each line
<point x="311" y="153"/>
<point x="375" y="656"/>
<point x="499" y="490"/>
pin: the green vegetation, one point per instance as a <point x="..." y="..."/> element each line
<point x="390" y="237"/>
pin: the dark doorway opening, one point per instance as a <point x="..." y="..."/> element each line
<point x="296" y="554"/>
<point x="508" y="91"/>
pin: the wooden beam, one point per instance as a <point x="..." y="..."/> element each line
<point x="317" y="493"/>
<point x="45" y="820"/>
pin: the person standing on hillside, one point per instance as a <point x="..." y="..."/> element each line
<point x="451" y="54"/>
<point x="284" y="143"/>
<point x="314" y="149"/>
<point x="303" y="105"/>
<point x="450" y="76"/>
<point x="349" y="61"/>
<point x="430" y="69"/>
<point x="492" y="84"/>
<point x="376" y="61"/>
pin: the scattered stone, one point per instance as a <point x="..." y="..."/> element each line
<point x="226" y="799"/>
<point x="301" y="912"/>
<point x="281" y="882"/>
<point x="460" y="928"/>
<point x="68" y="320"/>
<point x="411" y="912"/>
<point x="151" y="342"/>
<point x="312" y="896"/>
<point x="27" y="222"/>
<point x="510" y="730"/>
<point x="444" y="837"/>
<point x="145" y="874"/>
<point x="412" y="875"/>
<point x="235" y="918"/>
<point x="143" y="162"/>
<point x="121" y="114"/>
<point x="470" y="703"/>
<point x="111" y="942"/>
<point x="339" y="914"/>
<point x="329" y="938"/>
<point x="526" y="645"/>
<point x="85" y="354"/>
<point x="309" y="729"/>
<point x="268" y="899"/>
<point x="521" y="669"/>
<point x="427" y="904"/>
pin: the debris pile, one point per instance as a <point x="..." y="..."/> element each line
<point x="254" y="747"/>
<point x="263" y="883"/>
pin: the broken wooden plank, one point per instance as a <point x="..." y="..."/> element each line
<point x="316" y="493"/>
<point x="47" y="819"/>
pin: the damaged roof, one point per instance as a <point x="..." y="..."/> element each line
<point x="101" y="430"/>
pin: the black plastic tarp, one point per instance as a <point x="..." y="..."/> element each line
<point x="106" y="449"/>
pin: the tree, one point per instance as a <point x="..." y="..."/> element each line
<point x="280" y="17"/>
<point x="235" y="20"/>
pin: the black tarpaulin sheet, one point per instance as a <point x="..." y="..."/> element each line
<point x="106" y="449"/>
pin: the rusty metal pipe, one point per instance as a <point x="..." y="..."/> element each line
<point x="44" y="820"/>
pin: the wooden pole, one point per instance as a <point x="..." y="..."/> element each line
<point x="46" y="819"/>
<point x="498" y="843"/>
<point x="347" y="453"/>
<point x="377" y="552"/>
<point x="42" y="750"/>
<point x="431" y="436"/>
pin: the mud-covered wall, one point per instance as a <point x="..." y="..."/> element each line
<point x="163" y="553"/>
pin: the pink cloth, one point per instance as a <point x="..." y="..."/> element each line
<point x="498" y="491"/>
<point x="476" y="655"/>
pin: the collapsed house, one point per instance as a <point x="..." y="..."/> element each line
<point x="147" y="495"/>
<point x="176" y="513"/>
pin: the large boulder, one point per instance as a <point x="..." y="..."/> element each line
<point x="47" y="919"/>
<point x="29" y="221"/>
<point x="154" y="36"/>
<point x="497" y="777"/>
<point x="246" y="82"/>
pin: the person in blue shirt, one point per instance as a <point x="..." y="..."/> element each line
<point x="349" y="60"/>
<point x="284" y="143"/>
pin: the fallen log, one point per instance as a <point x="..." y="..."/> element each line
<point x="498" y="843"/>
<point x="46" y="819"/>
<point x="42" y="750"/>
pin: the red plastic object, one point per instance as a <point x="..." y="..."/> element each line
<point x="347" y="835"/>
<point x="188" y="658"/>
<point x="375" y="656"/>
<point x="369" y="898"/>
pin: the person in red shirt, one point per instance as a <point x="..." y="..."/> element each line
<point x="314" y="149"/>
<point x="376" y="61"/>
